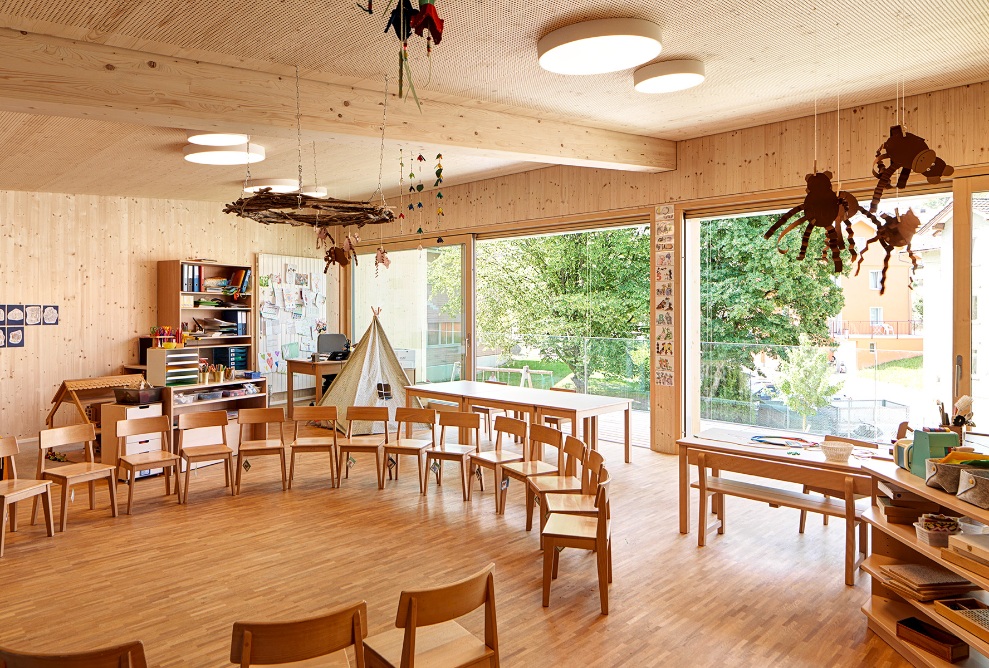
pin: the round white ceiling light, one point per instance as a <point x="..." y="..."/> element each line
<point x="239" y="154"/>
<point x="216" y="138"/>
<point x="276" y="185"/>
<point x="314" y="191"/>
<point x="669" y="76"/>
<point x="596" y="47"/>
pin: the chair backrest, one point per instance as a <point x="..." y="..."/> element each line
<point x="424" y="416"/>
<point x="902" y="430"/>
<point x="56" y="437"/>
<point x="248" y="417"/>
<point x="456" y="419"/>
<point x="495" y="382"/>
<point x="593" y="468"/>
<point x="144" y="427"/>
<point x="367" y="414"/>
<point x="8" y="448"/>
<point x="189" y="421"/>
<point x="785" y="471"/>
<point x="854" y="441"/>
<point x="313" y="414"/>
<point x="426" y="607"/>
<point x="540" y="433"/>
<point x="264" y="643"/>
<point x="511" y="426"/>
<point x="129" y="654"/>
<point x="603" y="503"/>
<point x="574" y="454"/>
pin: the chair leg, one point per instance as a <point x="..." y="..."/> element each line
<point x="721" y="513"/>
<point x="826" y="498"/>
<point x="178" y="479"/>
<point x="470" y="482"/>
<point x="543" y="517"/>
<point x="530" y="504"/>
<point x="378" y="461"/>
<point x="188" y="474"/>
<point x="281" y="455"/>
<point x="464" y="474"/>
<point x="240" y="470"/>
<point x="556" y="561"/>
<point x="3" y="526"/>
<point x="291" y="468"/>
<point x="13" y="517"/>
<point x="702" y="519"/>
<point x="92" y="495"/>
<point x="603" y="578"/>
<point x="131" y="480"/>
<point x="228" y="468"/>
<point x="63" y="521"/>
<point x="425" y="476"/>
<point x="501" y="494"/>
<point x="46" y="503"/>
<point x="333" y="468"/>
<point x="548" y="570"/>
<point x="339" y="465"/>
<point x="34" y="511"/>
<point x="111" y="485"/>
<point x="422" y="473"/>
<point x="480" y="478"/>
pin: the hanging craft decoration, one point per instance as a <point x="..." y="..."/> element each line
<point x="427" y="19"/>
<point x="321" y="213"/>
<point x="405" y="20"/>
<point x="896" y="231"/>
<point x="826" y="209"/>
<point x="907" y="152"/>
<point x="436" y="184"/>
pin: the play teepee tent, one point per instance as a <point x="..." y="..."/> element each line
<point x="372" y="376"/>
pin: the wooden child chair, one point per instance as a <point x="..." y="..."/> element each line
<point x="426" y="631"/>
<point x="192" y="454"/>
<point x="495" y="459"/>
<point x="412" y="447"/>
<point x="13" y="490"/>
<point x="539" y="435"/>
<point x="66" y="476"/>
<point x="266" y="643"/>
<point x="488" y="412"/>
<point x="327" y="443"/>
<point x="255" y="418"/>
<point x="367" y="444"/>
<point x="162" y="458"/>
<point x="129" y="654"/>
<point x="455" y="452"/>
<point x="569" y="479"/>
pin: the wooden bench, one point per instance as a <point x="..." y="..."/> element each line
<point x="843" y="486"/>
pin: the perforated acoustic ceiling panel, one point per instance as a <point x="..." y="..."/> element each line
<point x="766" y="60"/>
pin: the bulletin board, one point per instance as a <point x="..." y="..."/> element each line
<point x="292" y="307"/>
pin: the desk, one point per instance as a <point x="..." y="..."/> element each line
<point x="581" y="409"/>
<point x="736" y="442"/>
<point x="309" y="368"/>
<point x="526" y="373"/>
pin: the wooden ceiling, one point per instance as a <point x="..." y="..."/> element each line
<point x="767" y="60"/>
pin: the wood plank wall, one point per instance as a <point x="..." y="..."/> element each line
<point x="95" y="257"/>
<point x="743" y="166"/>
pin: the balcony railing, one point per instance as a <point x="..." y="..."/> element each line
<point x="893" y="329"/>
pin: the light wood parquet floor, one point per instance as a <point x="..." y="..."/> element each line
<point x="177" y="577"/>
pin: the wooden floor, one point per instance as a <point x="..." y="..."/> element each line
<point x="177" y="577"/>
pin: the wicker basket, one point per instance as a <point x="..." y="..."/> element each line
<point x="933" y="538"/>
<point x="836" y="451"/>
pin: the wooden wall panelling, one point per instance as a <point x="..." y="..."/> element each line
<point x="95" y="257"/>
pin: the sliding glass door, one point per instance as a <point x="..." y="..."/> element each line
<point x="971" y="245"/>
<point x="422" y="307"/>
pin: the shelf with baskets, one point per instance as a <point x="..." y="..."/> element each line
<point x="899" y="544"/>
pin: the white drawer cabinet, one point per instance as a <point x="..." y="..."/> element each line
<point x="111" y="414"/>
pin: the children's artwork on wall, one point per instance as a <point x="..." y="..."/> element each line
<point x="3" y="337"/>
<point x="32" y="314"/>
<point x="15" y="337"/>
<point x="3" y="314"/>
<point x="14" y="318"/>
<point x="49" y="315"/>
<point x="15" y="314"/>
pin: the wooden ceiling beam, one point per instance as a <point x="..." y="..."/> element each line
<point x="49" y="75"/>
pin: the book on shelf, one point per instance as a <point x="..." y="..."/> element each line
<point x="898" y="514"/>
<point x="236" y="278"/>
<point x="246" y="283"/>
<point x="905" y="499"/>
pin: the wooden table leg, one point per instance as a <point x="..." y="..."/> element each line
<point x="684" y="491"/>
<point x="628" y="434"/>
<point x="290" y="397"/>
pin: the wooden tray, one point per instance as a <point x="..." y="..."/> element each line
<point x="928" y="637"/>
<point x="968" y="613"/>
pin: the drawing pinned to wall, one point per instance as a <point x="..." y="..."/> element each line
<point x="15" y="337"/>
<point x="15" y="314"/>
<point x="14" y="318"/>
<point x="664" y="238"/>
<point x="32" y="314"/>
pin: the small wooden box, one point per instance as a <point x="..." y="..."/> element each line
<point x="930" y="638"/>
<point x="969" y="613"/>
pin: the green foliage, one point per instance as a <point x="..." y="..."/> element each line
<point x="551" y="292"/>
<point x="805" y="379"/>
<point x="753" y="296"/>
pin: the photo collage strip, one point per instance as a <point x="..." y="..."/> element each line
<point x="15" y="318"/>
<point x="665" y="299"/>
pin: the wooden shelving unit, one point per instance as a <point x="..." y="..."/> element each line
<point x="898" y="543"/>
<point x="175" y="304"/>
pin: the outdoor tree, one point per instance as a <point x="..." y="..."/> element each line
<point x="754" y="299"/>
<point x="568" y="295"/>
<point x="805" y="379"/>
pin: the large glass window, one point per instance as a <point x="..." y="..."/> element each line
<point x="788" y="344"/>
<point x="421" y="297"/>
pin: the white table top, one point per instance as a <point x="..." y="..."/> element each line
<point x="568" y="401"/>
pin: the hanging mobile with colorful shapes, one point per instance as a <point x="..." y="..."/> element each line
<point x="401" y="191"/>
<point x="436" y="184"/>
<point x="405" y="20"/>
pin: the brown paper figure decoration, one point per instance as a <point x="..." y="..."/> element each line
<point x="823" y="208"/>
<point x="896" y="231"/>
<point x="907" y="152"/>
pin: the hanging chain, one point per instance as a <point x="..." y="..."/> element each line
<point x="381" y="159"/>
<point x="247" y="174"/>
<point x="315" y="176"/>
<point x="298" y="129"/>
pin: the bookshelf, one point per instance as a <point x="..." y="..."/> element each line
<point x="184" y="288"/>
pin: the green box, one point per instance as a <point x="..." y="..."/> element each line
<point x="930" y="445"/>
